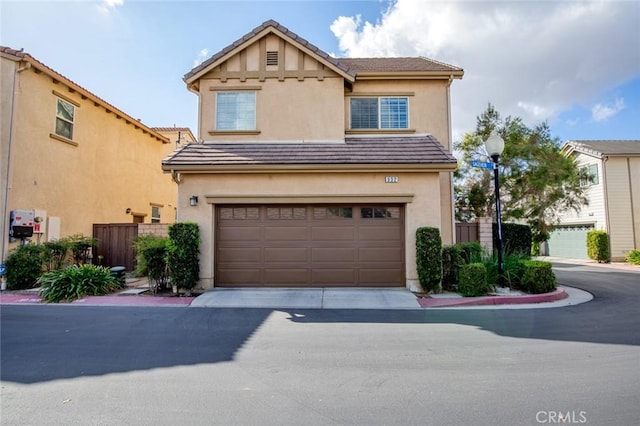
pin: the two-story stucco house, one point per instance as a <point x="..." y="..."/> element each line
<point x="315" y="171"/>
<point x="72" y="158"/>
<point x="613" y="191"/>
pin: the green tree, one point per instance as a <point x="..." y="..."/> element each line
<point x="537" y="181"/>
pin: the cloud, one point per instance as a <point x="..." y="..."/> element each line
<point x="530" y="59"/>
<point x="203" y="55"/>
<point x="601" y="112"/>
<point x="107" y="5"/>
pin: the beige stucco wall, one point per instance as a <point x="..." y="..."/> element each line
<point x="423" y="210"/>
<point x="109" y="166"/>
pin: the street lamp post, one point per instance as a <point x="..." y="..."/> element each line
<point x="494" y="146"/>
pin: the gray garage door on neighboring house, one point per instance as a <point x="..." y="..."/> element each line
<point x="309" y="246"/>
<point x="569" y="241"/>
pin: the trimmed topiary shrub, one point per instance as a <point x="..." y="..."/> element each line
<point x="155" y="257"/>
<point x="537" y="277"/>
<point x="429" y="258"/>
<point x="598" y="246"/>
<point x="25" y="265"/>
<point x="140" y="243"/>
<point x="633" y="257"/>
<point x="472" y="280"/>
<point x="471" y="252"/>
<point x="183" y="253"/>
<point x="516" y="238"/>
<point x="76" y="281"/>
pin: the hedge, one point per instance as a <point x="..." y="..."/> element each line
<point x="516" y="238"/>
<point x="598" y="246"/>
<point x="429" y="258"/>
<point x="537" y="277"/>
<point x="472" y="280"/>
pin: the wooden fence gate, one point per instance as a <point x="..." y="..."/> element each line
<point x="467" y="232"/>
<point x="115" y="244"/>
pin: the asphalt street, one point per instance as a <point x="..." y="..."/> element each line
<point x="78" y="365"/>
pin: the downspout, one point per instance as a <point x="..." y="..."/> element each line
<point x="606" y="198"/>
<point x="9" y="170"/>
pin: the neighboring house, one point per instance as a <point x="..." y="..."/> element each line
<point x="179" y="136"/>
<point x="74" y="159"/>
<point x="315" y="171"/>
<point x="613" y="191"/>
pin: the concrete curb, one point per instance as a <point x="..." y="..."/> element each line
<point x="558" y="294"/>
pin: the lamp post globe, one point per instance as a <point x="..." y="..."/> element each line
<point x="494" y="146"/>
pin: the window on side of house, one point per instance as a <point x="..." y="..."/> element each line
<point x="589" y="175"/>
<point x="236" y="111"/>
<point x="155" y="214"/>
<point x="379" y="113"/>
<point x="64" y="119"/>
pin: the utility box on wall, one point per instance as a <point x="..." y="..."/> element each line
<point x="21" y="223"/>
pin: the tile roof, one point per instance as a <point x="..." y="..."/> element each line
<point x="171" y="129"/>
<point x="606" y="147"/>
<point x="419" y="64"/>
<point x="378" y="150"/>
<point x="23" y="56"/>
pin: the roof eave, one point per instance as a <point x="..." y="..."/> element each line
<point x="309" y="168"/>
<point x="409" y="75"/>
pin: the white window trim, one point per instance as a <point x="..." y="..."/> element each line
<point x="58" y="116"/>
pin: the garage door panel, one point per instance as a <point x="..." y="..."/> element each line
<point x="279" y="276"/>
<point x="239" y="276"/>
<point x="378" y="277"/>
<point x="245" y="254"/>
<point x="249" y="233"/>
<point x="333" y="276"/>
<point x="366" y="254"/>
<point x="325" y="233"/>
<point x="283" y="233"/>
<point x="286" y="254"/>
<point x="333" y="254"/>
<point x="380" y="233"/>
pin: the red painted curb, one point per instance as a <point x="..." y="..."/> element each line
<point x="428" y="302"/>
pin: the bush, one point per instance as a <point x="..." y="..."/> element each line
<point x="537" y="277"/>
<point x="516" y="238"/>
<point x="451" y="261"/>
<point x="633" y="257"/>
<point x="24" y="266"/>
<point x="80" y="247"/>
<point x="142" y="242"/>
<point x="155" y="257"/>
<point x="75" y="282"/>
<point x="598" y="246"/>
<point x="183" y="253"/>
<point x="58" y="253"/>
<point x="429" y="258"/>
<point x="471" y="252"/>
<point x="472" y="280"/>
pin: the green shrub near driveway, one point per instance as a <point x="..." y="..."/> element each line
<point x="183" y="253"/>
<point x="25" y="264"/>
<point x="598" y="246"/>
<point x="472" y="280"/>
<point x="142" y="242"/>
<point x="537" y="277"/>
<point x="429" y="258"/>
<point x="76" y="281"/>
<point x="633" y="257"/>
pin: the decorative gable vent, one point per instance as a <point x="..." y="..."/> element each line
<point x="272" y="58"/>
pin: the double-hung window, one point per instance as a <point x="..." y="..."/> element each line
<point x="64" y="119"/>
<point x="589" y="175"/>
<point x="380" y="113"/>
<point x="236" y="110"/>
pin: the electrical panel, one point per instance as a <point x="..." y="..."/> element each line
<point x="22" y="223"/>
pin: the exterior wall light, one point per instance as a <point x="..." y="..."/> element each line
<point x="193" y="201"/>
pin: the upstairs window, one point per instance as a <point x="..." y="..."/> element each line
<point x="589" y="175"/>
<point x="380" y="113"/>
<point x="64" y="119"/>
<point x="235" y="111"/>
<point x="155" y="214"/>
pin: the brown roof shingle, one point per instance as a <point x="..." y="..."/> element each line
<point x="419" y="64"/>
<point x="379" y="150"/>
<point x="607" y="147"/>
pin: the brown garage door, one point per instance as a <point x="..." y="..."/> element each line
<point x="309" y="246"/>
